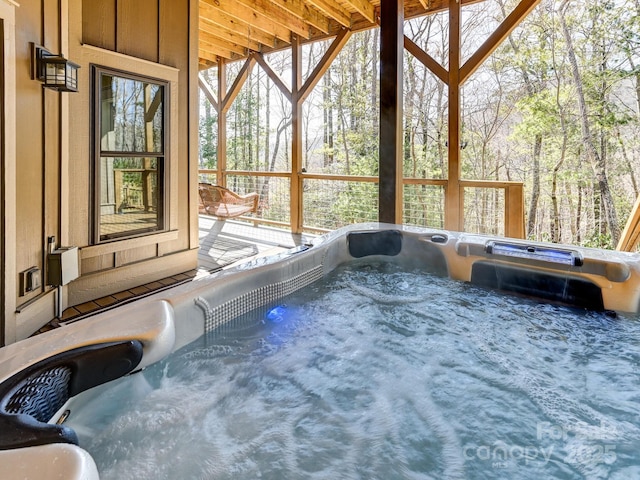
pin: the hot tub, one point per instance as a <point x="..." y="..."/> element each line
<point x="44" y="377"/>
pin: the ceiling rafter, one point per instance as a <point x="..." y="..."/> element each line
<point x="301" y="10"/>
<point x="219" y="19"/>
<point x="241" y="12"/>
<point x="272" y="10"/>
<point x="224" y="33"/>
<point x="213" y="54"/>
<point x="207" y="40"/>
<point x="364" y="8"/>
<point x="233" y="29"/>
<point x="333" y="10"/>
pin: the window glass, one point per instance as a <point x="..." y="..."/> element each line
<point x="132" y="115"/>
<point x="130" y="149"/>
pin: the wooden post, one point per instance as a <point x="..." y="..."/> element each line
<point x="453" y="217"/>
<point x="296" y="135"/>
<point x="631" y="234"/>
<point x="514" y="211"/>
<point x="221" y="178"/>
<point x="391" y="138"/>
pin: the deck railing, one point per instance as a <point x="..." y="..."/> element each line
<point x="329" y="201"/>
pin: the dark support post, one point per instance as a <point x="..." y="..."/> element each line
<point x="391" y="55"/>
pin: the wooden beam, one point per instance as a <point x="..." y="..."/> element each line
<point x="204" y="64"/>
<point x="496" y="38"/>
<point x="357" y="23"/>
<point x="412" y="10"/>
<point x="631" y="234"/>
<point x="339" y="15"/>
<point x="218" y="18"/>
<point x="391" y="111"/>
<point x="207" y="40"/>
<point x="333" y="10"/>
<point x="514" y="211"/>
<point x="301" y="10"/>
<point x="206" y="89"/>
<point x="454" y="201"/>
<point x="233" y="92"/>
<point x="364" y="8"/>
<point x="266" y="10"/>
<point x="426" y="59"/>
<point x="329" y="56"/>
<point x="222" y="124"/>
<point x="273" y="75"/>
<point x="212" y="53"/>
<point x="208" y="28"/>
<point x="246" y="14"/>
<point x="418" y="9"/>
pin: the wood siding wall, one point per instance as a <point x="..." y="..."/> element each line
<point x="156" y="31"/>
<point x="53" y="171"/>
<point x="38" y="140"/>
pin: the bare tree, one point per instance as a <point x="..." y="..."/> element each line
<point x="591" y="152"/>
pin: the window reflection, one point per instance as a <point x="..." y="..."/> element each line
<point x="129" y="194"/>
<point x="131" y="156"/>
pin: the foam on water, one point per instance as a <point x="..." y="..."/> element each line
<point x="381" y="373"/>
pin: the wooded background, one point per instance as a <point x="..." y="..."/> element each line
<point x="557" y="107"/>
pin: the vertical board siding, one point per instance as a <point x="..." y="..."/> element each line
<point x="30" y="120"/>
<point x="137" y="28"/>
<point x="8" y="174"/>
<point x="158" y="31"/>
<point x="99" y="23"/>
<point x="174" y="51"/>
<point x="52" y="129"/>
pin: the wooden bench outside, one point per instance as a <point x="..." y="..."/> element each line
<point x="221" y="202"/>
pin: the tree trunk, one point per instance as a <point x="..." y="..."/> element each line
<point x="579" y="213"/>
<point x="535" y="186"/>
<point x="532" y="89"/>
<point x="595" y="159"/>
<point x="327" y="113"/>
<point x="555" y="220"/>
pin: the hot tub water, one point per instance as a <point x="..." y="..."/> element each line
<point x="377" y="372"/>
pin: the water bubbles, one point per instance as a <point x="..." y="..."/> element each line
<point x="377" y="372"/>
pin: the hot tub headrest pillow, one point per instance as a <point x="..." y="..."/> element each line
<point x="383" y="242"/>
<point x="30" y="398"/>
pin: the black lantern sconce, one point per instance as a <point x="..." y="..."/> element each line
<point x="54" y="71"/>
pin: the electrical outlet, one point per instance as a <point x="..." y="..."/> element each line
<point x="30" y="280"/>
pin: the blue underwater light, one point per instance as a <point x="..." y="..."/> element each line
<point x="276" y="314"/>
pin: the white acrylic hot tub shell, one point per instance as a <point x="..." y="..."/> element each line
<point x="151" y="322"/>
<point x="56" y="461"/>
<point x="172" y="318"/>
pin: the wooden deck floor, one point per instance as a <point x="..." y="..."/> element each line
<point x="222" y="245"/>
